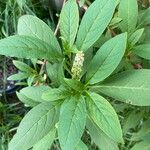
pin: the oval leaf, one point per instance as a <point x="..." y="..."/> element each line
<point x="55" y="72"/>
<point x="134" y="38"/>
<point x="106" y="59"/>
<point x="145" y="18"/>
<point x="94" y="22"/>
<point x="142" y="51"/>
<point x="32" y="26"/>
<point x="27" y="47"/>
<point x="35" y="92"/>
<point x="35" y="125"/>
<point x="18" y="76"/>
<point x="69" y="21"/>
<point x="100" y="138"/>
<point x="128" y="11"/>
<point x="104" y="116"/>
<point x="23" y="67"/>
<point x="71" y="126"/>
<point x="26" y="100"/>
<point x="130" y="87"/>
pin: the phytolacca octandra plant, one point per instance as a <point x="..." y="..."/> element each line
<point x="73" y="101"/>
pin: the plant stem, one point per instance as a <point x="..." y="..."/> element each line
<point x="55" y="33"/>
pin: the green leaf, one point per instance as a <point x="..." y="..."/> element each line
<point x="143" y="132"/>
<point x="142" y="50"/>
<point x="27" y="101"/>
<point x="71" y="126"/>
<point x="81" y="146"/>
<point x="21" y="3"/>
<point x="46" y="142"/>
<point x="1" y="144"/>
<point x="144" y="145"/>
<point x="100" y="138"/>
<point x="61" y="71"/>
<point x="146" y="35"/>
<point x="35" y="125"/>
<point x="104" y="116"/>
<point x="69" y="21"/>
<point x="35" y="92"/>
<point x="146" y="137"/>
<point x="74" y="84"/>
<point x="106" y="59"/>
<point x="128" y="11"/>
<point x="134" y="38"/>
<point x="115" y="21"/>
<point x="31" y="79"/>
<point x="132" y="120"/>
<point x="145" y="18"/>
<point x="81" y="2"/>
<point x="23" y="67"/>
<point x="94" y="22"/>
<point x="131" y="86"/>
<point x="55" y="73"/>
<point x="88" y="56"/>
<point x="18" y="76"/>
<point x="56" y="94"/>
<point x="32" y="26"/>
<point x="52" y="72"/>
<point x="27" y="47"/>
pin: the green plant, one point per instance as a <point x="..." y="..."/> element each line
<point x="79" y="76"/>
<point x="10" y="116"/>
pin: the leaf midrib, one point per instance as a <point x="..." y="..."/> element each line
<point x="98" y="68"/>
<point x="71" y="122"/>
<point x="105" y="120"/>
<point x="93" y="24"/>
<point x="123" y="87"/>
<point x="38" y="121"/>
<point x="24" y="48"/>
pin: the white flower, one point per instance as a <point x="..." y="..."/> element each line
<point x="77" y="65"/>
